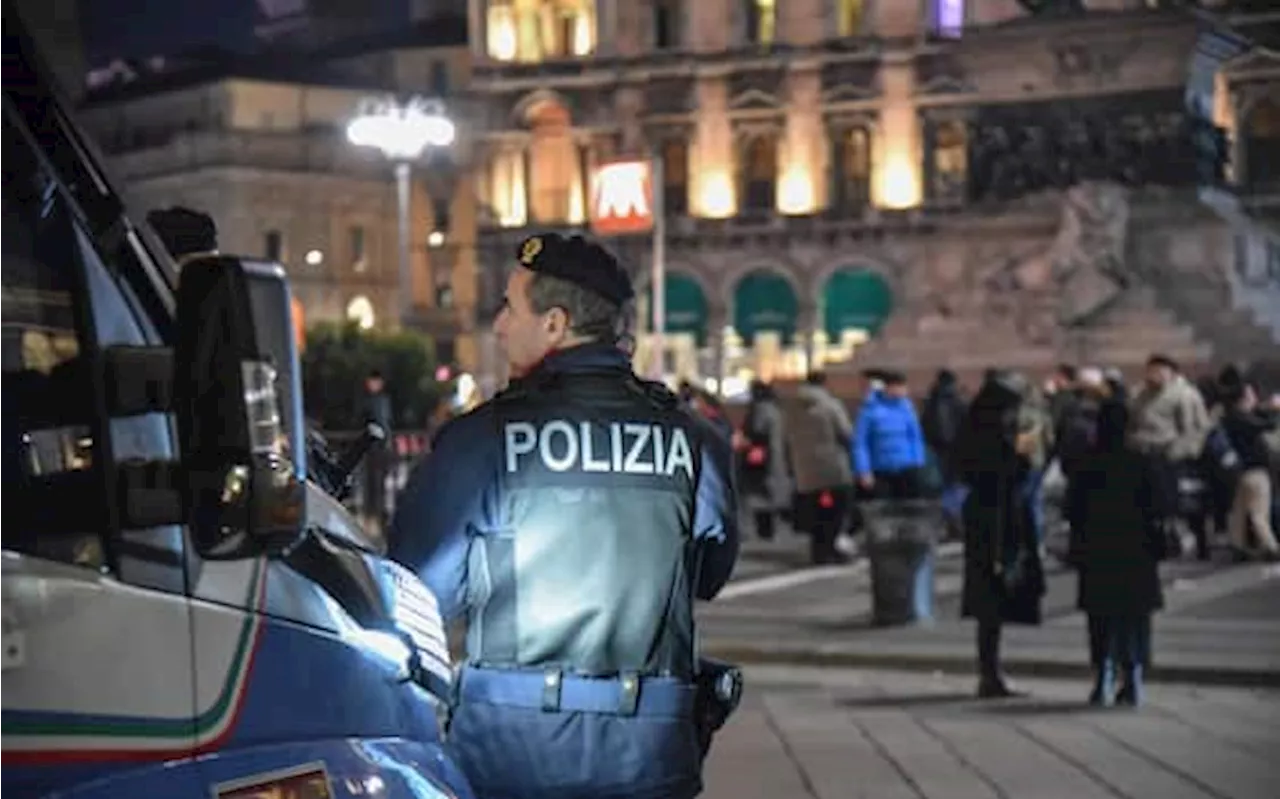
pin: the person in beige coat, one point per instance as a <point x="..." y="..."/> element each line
<point x="1168" y="426"/>
<point x="818" y="431"/>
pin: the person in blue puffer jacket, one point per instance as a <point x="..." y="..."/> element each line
<point x="888" y="443"/>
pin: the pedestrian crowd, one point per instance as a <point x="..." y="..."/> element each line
<point x="1122" y="477"/>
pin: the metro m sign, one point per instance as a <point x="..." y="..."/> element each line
<point x="622" y="198"/>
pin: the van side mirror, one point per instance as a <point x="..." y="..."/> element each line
<point x="237" y="398"/>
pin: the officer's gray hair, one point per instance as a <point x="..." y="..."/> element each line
<point x="590" y="314"/>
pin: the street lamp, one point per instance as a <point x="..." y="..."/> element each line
<point x="402" y="132"/>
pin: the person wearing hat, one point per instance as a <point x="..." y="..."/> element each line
<point x="1169" y="424"/>
<point x="572" y="520"/>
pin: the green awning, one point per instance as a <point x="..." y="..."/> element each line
<point x="686" y="306"/>
<point x="764" y="303"/>
<point x="855" y="300"/>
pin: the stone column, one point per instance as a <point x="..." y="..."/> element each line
<point x="717" y="318"/>
<point x="628" y="104"/>
<point x="477" y="23"/>
<point x="607" y="32"/>
<point x="801" y="177"/>
<point x="711" y="167"/>
<point x="897" y="181"/>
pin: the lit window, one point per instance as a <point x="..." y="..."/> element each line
<point x="567" y="28"/>
<point x="541" y="29"/>
<point x="502" y="31"/>
<point x="849" y="19"/>
<point x="948" y="18"/>
<point x="762" y="21"/>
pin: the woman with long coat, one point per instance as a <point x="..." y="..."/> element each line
<point x="1003" y="574"/>
<point x="765" y="485"/>
<point x="1117" y="548"/>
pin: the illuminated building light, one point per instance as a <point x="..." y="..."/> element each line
<point x="584" y="39"/>
<point x="795" y="192"/>
<point x="899" y="182"/>
<point x="360" y="311"/>
<point x="717" y="200"/>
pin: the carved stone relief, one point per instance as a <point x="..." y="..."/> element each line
<point x="1092" y="63"/>
<point x="941" y="74"/>
<point x="757" y="87"/>
<point x="1040" y="289"/>
<point x="844" y="81"/>
<point x="669" y="96"/>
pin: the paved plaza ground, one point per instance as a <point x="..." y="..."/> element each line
<point x="806" y="732"/>
<point x="1221" y="624"/>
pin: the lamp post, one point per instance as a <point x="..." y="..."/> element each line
<point x="402" y="132"/>
<point x="658" y="280"/>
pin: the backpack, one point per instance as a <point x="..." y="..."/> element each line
<point x="1219" y="456"/>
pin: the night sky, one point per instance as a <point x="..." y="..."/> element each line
<point x="139" y="28"/>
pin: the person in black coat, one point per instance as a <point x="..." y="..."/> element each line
<point x="764" y="488"/>
<point x="1003" y="574"/>
<point x="1117" y="548"/>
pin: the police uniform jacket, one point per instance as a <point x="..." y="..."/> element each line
<point x="573" y="519"/>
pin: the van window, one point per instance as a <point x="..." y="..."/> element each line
<point x="49" y="446"/>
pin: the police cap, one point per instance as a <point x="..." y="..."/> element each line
<point x="579" y="261"/>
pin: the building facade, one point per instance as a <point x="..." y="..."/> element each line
<point x="963" y="182"/>
<point x="261" y="145"/>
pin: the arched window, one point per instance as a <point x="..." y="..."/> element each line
<point x="758" y="167"/>
<point x="675" y="177"/>
<point x="851" y="169"/>
<point x="948" y="179"/>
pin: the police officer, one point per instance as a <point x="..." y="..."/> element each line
<point x="573" y="519"/>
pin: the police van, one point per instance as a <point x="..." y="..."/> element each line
<point x="188" y="609"/>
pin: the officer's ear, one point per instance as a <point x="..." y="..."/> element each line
<point x="556" y="323"/>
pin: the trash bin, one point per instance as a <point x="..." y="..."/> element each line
<point x="901" y="546"/>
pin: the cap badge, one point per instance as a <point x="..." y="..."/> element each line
<point x="530" y="250"/>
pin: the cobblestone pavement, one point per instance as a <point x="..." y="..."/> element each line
<point x="886" y="735"/>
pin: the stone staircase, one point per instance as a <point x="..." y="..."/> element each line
<point x="1233" y="304"/>
<point x="1206" y="304"/>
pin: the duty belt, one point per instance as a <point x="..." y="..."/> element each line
<point x="552" y="690"/>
